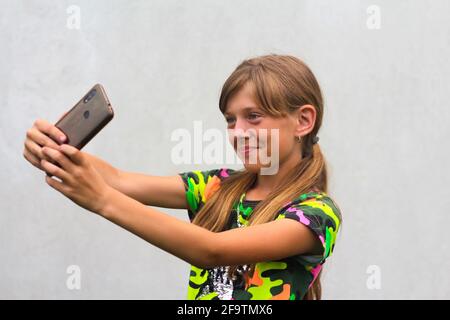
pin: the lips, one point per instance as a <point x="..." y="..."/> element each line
<point x="247" y="149"/>
<point x="246" y="146"/>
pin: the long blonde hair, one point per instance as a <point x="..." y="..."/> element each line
<point x="281" y="84"/>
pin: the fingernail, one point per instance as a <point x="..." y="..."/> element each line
<point x="62" y="138"/>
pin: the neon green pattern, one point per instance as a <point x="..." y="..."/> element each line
<point x="287" y="279"/>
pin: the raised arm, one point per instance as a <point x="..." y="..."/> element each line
<point x="159" y="191"/>
<point x="82" y="183"/>
<point x="206" y="249"/>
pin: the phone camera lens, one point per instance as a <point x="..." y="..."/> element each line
<point x="89" y="96"/>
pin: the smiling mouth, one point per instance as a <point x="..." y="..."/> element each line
<point x="244" y="147"/>
<point x="247" y="149"/>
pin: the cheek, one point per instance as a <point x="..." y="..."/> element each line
<point x="280" y="142"/>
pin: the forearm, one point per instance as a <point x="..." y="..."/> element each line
<point x="187" y="241"/>
<point x="159" y="191"/>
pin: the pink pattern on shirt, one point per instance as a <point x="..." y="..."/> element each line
<point x="224" y="173"/>
<point x="300" y="215"/>
<point x="322" y="239"/>
<point x="315" y="272"/>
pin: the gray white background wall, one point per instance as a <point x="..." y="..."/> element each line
<point x="385" y="132"/>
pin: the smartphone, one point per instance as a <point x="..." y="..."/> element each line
<point x="89" y="115"/>
<point x="86" y="118"/>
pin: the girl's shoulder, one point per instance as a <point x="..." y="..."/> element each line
<point x="315" y="201"/>
<point x="204" y="176"/>
<point x="200" y="185"/>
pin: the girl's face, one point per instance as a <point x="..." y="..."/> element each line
<point x="262" y="140"/>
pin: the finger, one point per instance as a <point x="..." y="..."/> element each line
<point x="59" y="158"/>
<point x="31" y="158"/>
<point x="40" y="138"/>
<point x="34" y="149"/>
<point x="50" y="130"/>
<point x="53" y="170"/>
<point x="55" y="184"/>
<point x="73" y="153"/>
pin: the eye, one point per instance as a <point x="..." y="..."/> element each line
<point x="254" y="116"/>
<point x="229" y="120"/>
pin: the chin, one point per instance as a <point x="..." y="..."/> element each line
<point x="251" y="163"/>
<point x="254" y="168"/>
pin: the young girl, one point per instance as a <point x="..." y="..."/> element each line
<point x="252" y="235"/>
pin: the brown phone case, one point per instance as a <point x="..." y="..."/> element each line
<point x="89" y="115"/>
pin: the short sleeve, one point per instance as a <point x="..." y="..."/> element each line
<point x="200" y="186"/>
<point x="320" y="213"/>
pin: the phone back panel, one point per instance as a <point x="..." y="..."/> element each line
<point x="86" y="118"/>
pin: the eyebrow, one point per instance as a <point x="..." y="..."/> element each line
<point x="244" y="109"/>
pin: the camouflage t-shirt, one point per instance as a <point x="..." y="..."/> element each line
<point x="285" y="279"/>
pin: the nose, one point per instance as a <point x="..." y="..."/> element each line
<point x="243" y="133"/>
<point x="242" y="129"/>
<point x="241" y="125"/>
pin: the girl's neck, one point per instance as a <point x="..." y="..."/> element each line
<point x="264" y="184"/>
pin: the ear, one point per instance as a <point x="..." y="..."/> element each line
<point x="305" y="119"/>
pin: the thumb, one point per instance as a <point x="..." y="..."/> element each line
<point x="73" y="153"/>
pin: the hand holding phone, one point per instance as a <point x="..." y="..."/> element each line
<point x="89" y="115"/>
